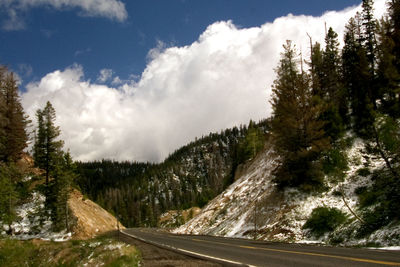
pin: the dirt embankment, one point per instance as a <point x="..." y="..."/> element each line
<point x="90" y="219"/>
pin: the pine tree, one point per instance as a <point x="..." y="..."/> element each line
<point x="356" y="77"/>
<point x="14" y="122"/>
<point x="47" y="148"/>
<point x="60" y="188"/>
<point x="8" y="195"/>
<point x="335" y="113"/>
<point x="388" y="71"/>
<point x="48" y="155"/>
<point x="299" y="138"/>
<point x="369" y="30"/>
<point x="388" y="75"/>
<point x="331" y="67"/>
<point x="370" y="45"/>
<point x="3" y="120"/>
<point x="317" y="71"/>
<point x="394" y="18"/>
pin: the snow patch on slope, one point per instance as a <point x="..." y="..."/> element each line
<point x="34" y="222"/>
<point x="228" y="214"/>
<point x="252" y="205"/>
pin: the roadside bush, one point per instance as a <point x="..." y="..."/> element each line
<point x="380" y="201"/>
<point x="323" y="220"/>
<point x="334" y="163"/>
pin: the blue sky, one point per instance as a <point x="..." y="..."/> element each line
<point x="56" y="38"/>
<point x="135" y="80"/>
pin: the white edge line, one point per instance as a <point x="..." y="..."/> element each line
<point x="189" y="252"/>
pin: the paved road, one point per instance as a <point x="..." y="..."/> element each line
<point x="256" y="253"/>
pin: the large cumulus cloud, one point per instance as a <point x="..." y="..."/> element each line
<point x="221" y="80"/>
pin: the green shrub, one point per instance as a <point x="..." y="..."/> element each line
<point x="324" y="220"/>
<point x="380" y="202"/>
<point x="363" y="172"/>
<point x="334" y="163"/>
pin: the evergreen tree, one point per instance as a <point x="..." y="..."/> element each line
<point x="317" y="71"/>
<point x="394" y="18"/>
<point x="369" y="30"/>
<point x="14" y="120"/>
<point x="330" y="80"/>
<point x="8" y="195"/>
<point x="39" y="148"/>
<point x="356" y="77"/>
<point x="388" y="75"/>
<point x="60" y="188"/>
<point x="251" y="144"/>
<point x="335" y="113"/>
<point x="370" y="45"/>
<point x="3" y="120"/>
<point x="47" y="148"/>
<point x="48" y="155"/>
<point x="298" y="133"/>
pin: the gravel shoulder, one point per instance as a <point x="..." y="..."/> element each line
<point x="153" y="256"/>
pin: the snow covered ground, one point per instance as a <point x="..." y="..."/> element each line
<point x="252" y="206"/>
<point x="33" y="222"/>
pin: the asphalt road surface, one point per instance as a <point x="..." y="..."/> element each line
<point x="232" y="251"/>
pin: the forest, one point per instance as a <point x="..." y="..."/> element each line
<point x="321" y="104"/>
<point x="55" y="171"/>
<point x="191" y="176"/>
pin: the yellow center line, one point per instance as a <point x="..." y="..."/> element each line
<point x="214" y="242"/>
<point x="307" y="253"/>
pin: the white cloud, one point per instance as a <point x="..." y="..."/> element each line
<point x="116" y="81"/>
<point x="111" y="9"/>
<point x="105" y="75"/>
<point x="221" y="80"/>
<point x="14" y="22"/>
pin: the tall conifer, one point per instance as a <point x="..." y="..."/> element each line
<point x="335" y="113"/>
<point x="388" y="75"/>
<point x="3" y="120"/>
<point x="47" y="149"/>
<point x="356" y="77"/>
<point x="298" y="133"/>
<point x="15" y="121"/>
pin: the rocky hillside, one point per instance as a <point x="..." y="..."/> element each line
<point x="86" y="219"/>
<point x="32" y="220"/>
<point x="232" y="212"/>
<point x="252" y="207"/>
<point x="89" y="219"/>
<point x="191" y="176"/>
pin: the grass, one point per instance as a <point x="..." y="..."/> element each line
<point x="101" y="251"/>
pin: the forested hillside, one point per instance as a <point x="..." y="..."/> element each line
<point x="333" y="168"/>
<point x="191" y="176"/>
<point x="323" y="103"/>
<point x="34" y="191"/>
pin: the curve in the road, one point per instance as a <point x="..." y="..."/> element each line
<point x="246" y="252"/>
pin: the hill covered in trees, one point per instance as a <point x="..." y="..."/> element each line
<point x="343" y="94"/>
<point x="34" y="190"/>
<point x="332" y="169"/>
<point x="191" y="176"/>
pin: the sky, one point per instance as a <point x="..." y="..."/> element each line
<point x="135" y="80"/>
